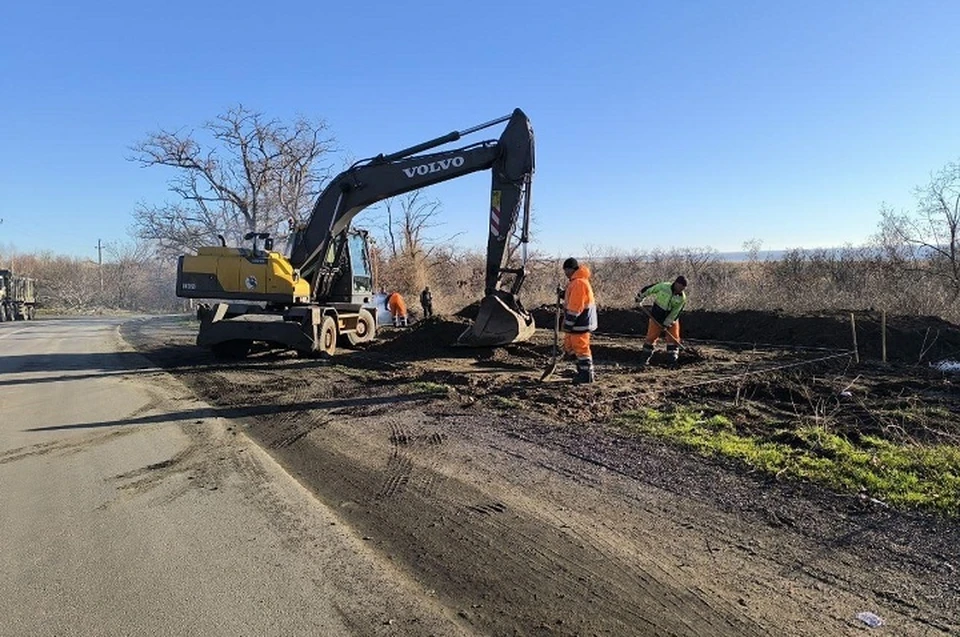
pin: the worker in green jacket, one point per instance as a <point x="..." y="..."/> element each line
<point x="668" y="301"/>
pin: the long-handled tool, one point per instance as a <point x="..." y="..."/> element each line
<point x="552" y="367"/>
<point x="672" y="337"/>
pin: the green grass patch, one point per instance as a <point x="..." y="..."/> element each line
<point x="909" y="476"/>
<point x="427" y="387"/>
<point x="355" y="373"/>
<point x="501" y="402"/>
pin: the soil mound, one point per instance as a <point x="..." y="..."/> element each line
<point x="469" y="312"/>
<point x="910" y="339"/>
<point x="433" y="337"/>
<point x="436" y="337"/>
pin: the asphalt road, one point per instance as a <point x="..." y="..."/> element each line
<point x="128" y="507"/>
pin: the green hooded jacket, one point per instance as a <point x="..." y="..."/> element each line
<point x="666" y="305"/>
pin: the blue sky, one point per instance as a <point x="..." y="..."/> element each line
<point x="657" y="124"/>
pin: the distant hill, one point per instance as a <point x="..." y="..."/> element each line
<point x="763" y="255"/>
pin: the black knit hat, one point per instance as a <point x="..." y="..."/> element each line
<point x="682" y="280"/>
<point x="570" y="264"/>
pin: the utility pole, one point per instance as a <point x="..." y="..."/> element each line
<point x="100" y="263"/>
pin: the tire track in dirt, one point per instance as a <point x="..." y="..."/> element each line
<point x="402" y="471"/>
<point x="399" y="466"/>
<point x="61" y="446"/>
<point x="504" y="569"/>
<point x="216" y="458"/>
<point x="204" y="465"/>
<point x="605" y="554"/>
<point x="523" y="567"/>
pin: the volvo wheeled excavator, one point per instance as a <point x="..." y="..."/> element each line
<point x="323" y="292"/>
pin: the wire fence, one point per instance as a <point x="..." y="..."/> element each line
<point x="727" y="378"/>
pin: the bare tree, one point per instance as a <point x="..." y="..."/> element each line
<point x="406" y="224"/>
<point x="126" y="271"/>
<point x="928" y="240"/>
<point x="256" y="175"/>
<point x="513" y="253"/>
<point x="411" y="251"/>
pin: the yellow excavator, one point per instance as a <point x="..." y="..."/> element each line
<point x="323" y="293"/>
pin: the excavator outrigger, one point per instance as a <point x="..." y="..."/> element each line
<point x="323" y="292"/>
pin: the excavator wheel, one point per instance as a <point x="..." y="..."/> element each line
<point x="366" y="329"/>
<point x="326" y="343"/>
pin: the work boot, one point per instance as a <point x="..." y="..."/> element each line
<point x="646" y="353"/>
<point x="585" y="373"/>
<point x="673" y="354"/>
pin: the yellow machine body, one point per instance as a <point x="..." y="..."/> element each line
<point x="240" y="273"/>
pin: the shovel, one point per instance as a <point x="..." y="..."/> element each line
<point x="672" y="338"/>
<point x="552" y="367"/>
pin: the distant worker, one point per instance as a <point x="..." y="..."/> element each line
<point x="397" y="309"/>
<point x="579" y="318"/>
<point x="668" y="301"/>
<point x="426" y="302"/>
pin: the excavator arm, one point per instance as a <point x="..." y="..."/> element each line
<point x="510" y="159"/>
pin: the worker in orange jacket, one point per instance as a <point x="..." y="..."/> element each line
<point x="397" y="308"/>
<point x="579" y="318"/>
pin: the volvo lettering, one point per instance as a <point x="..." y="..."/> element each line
<point x="433" y="167"/>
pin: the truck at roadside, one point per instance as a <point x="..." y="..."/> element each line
<point x="18" y="297"/>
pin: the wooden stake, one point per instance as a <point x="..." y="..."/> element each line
<point x="883" y="334"/>
<point x="853" y="328"/>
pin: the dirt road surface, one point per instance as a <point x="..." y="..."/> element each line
<point x="129" y="507"/>
<point x="523" y="516"/>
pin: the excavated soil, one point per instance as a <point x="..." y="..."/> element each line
<point x="528" y="512"/>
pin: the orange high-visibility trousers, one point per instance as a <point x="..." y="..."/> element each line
<point x="577" y="343"/>
<point x="654" y="331"/>
<point x="396" y="305"/>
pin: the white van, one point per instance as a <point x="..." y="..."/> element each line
<point x="380" y="309"/>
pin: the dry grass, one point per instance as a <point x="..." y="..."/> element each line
<point x="851" y="278"/>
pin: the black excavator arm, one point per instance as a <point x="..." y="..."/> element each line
<point x="510" y="158"/>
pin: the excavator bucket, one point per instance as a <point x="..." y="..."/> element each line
<point x="498" y="322"/>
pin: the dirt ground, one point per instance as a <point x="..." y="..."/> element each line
<point x="527" y="513"/>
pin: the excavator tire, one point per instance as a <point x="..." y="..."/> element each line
<point x="327" y="337"/>
<point x="497" y="324"/>
<point x="366" y="329"/>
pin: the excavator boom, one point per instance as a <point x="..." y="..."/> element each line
<point x="510" y="159"/>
